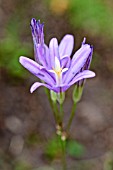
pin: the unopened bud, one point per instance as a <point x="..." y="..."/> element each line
<point x="53" y="95"/>
<point x="77" y="93"/>
<point x="61" y="97"/>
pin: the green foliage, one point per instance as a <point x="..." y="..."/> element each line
<point x="74" y="148"/>
<point x="93" y="15"/>
<point x="44" y="168"/>
<point x="32" y="139"/>
<point x="22" y="166"/>
<point x="108" y="164"/>
<point x="53" y="148"/>
<point x="10" y="50"/>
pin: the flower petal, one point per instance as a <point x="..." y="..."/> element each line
<point x="30" y="65"/>
<point x="53" y="46"/>
<point x="37" y="85"/>
<point x="42" y="55"/>
<point x="65" y="61"/>
<point x="37" y="70"/>
<point x="37" y="31"/>
<point x="47" y="58"/>
<point x="78" y="62"/>
<point x="82" y="75"/>
<point x="81" y="55"/>
<point x="88" y="61"/>
<point x="66" y="45"/>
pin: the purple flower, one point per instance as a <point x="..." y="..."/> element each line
<point x="53" y="64"/>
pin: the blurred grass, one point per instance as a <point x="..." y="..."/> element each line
<point x="75" y="149"/>
<point x="21" y="166"/>
<point x="33" y="139"/>
<point x="11" y="48"/>
<point x="12" y="45"/>
<point x="95" y="16"/>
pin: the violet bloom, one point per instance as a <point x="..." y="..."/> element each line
<point x="53" y="64"/>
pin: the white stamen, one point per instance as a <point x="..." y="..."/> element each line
<point x="64" y="70"/>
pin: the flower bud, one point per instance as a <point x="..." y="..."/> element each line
<point x="61" y="97"/>
<point x="77" y="93"/>
<point x="53" y="96"/>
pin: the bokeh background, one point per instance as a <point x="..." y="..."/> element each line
<point x="27" y="126"/>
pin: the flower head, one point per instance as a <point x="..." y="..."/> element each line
<point x="53" y="64"/>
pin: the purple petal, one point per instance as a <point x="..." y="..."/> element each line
<point x="65" y="87"/>
<point x="37" y="70"/>
<point x="78" y="62"/>
<point x="40" y="54"/>
<point x="46" y="77"/>
<point x="30" y="65"/>
<point x="66" y="45"/>
<point x="82" y="75"/>
<point x="33" y="25"/>
<point x="37" y="85"/>
<point x="37" y="31"/>
<point x="53" y="46"/>
<point x="81" y="55"/>
<point x="65" y="61"/>
<point x="47" y="56"/>
<point x="88" y="62"/>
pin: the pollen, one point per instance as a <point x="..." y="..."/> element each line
<point x="58" y="72"/>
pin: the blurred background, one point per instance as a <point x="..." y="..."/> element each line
<point x="27" y="126"/>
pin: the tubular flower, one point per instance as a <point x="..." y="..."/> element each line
<point x="53" y="64"/>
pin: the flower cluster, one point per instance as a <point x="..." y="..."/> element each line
<point x="53" y="64"/>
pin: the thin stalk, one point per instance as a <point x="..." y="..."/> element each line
<point x="61" y="111"/>
<point x="60" y="100"/>
<point x="71" y="116"/>
<point x="55" y="108"/>
<point x="63" y="146"/>
<point x="51" y="103"/>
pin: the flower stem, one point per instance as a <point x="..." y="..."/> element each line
<point x="63" y="145"/>
<point x="56" y="111"/>
<point x="71" y="117"/>
<point x="51" y="103"/>
<point x="61" y="111"/>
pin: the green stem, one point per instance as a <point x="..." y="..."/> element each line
<point x="63" y="145"/>
<point x="71" y="116"/>
<point x="56" y="111"/>
<point x="60" y="100"/>
<point x="51" y="103"/>
<point x="61" y="111"/>
<point x="54" y="107"/>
